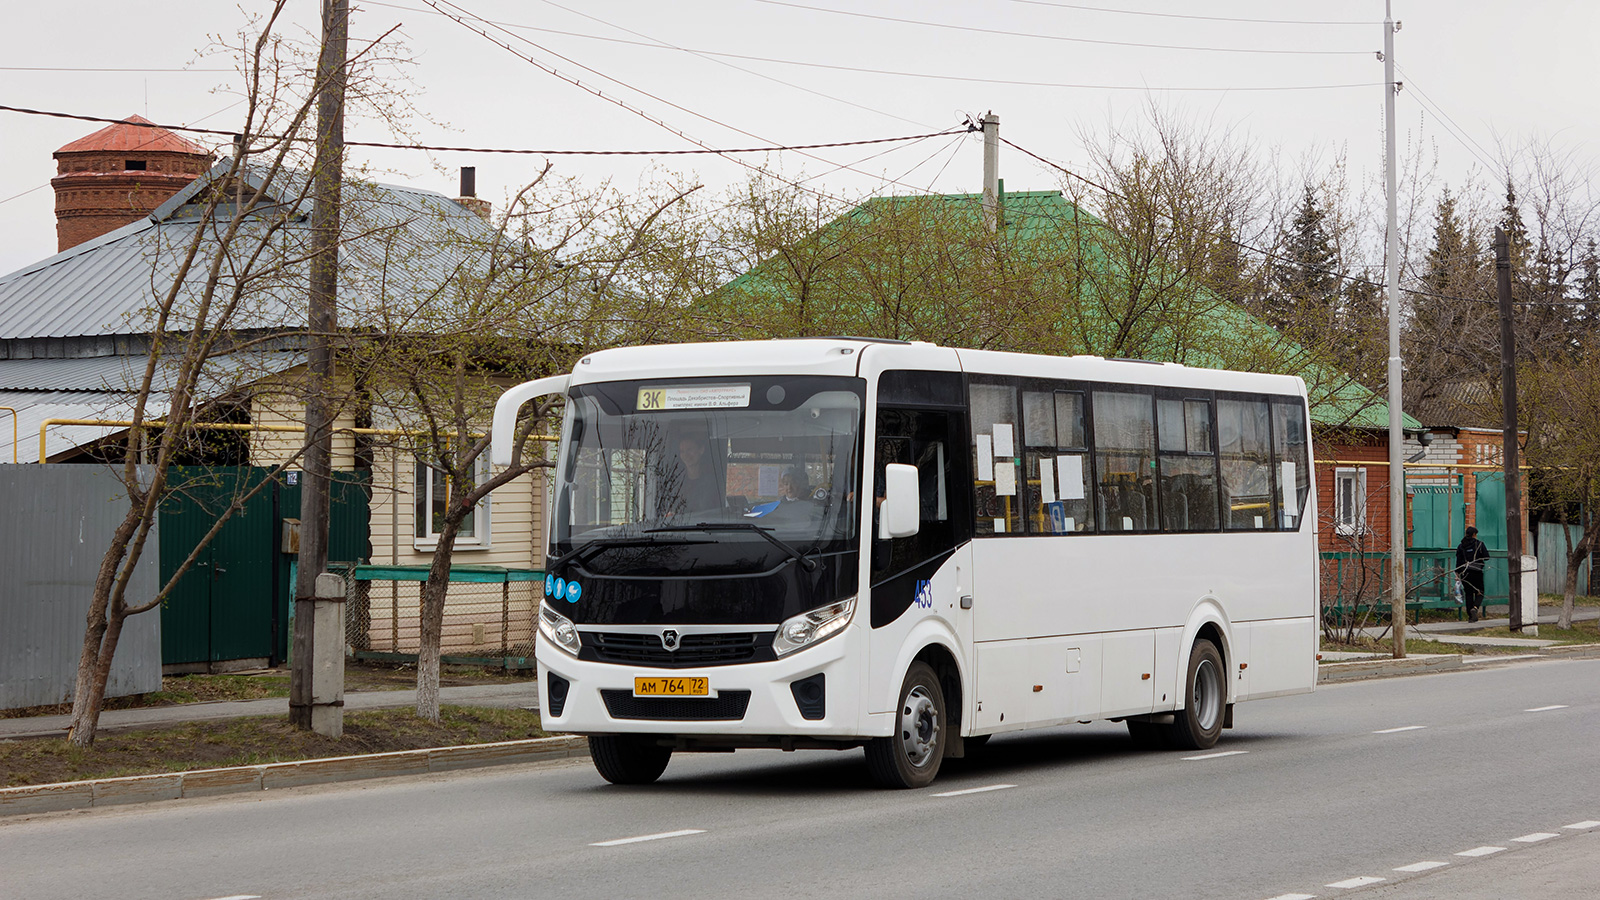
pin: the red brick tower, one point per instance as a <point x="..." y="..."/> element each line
<point x="118" y="175"/>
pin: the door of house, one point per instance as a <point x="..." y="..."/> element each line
<point x="1491" y="522"/>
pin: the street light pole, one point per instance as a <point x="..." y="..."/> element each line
<point x="1397" y="501"/>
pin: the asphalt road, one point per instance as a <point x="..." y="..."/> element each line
<point x="1347" y="784"/>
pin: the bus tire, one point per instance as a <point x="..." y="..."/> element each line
<point x="911" y="757"/>
<point x="628" y="758"/>
<point x="1198" y="725"/>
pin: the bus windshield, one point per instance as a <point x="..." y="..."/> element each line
<point x="645" y="463"/>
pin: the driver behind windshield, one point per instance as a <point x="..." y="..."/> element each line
<point x="692" y="484"/>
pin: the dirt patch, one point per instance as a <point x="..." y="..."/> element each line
<point x="263" y="739"/>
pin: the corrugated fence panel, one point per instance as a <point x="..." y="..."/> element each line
<point x="1553" y="558"/>
<point x="55" y="524"/>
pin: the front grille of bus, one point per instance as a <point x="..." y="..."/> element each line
<point x="693" y="649"/>
<point x="726" y="706"/>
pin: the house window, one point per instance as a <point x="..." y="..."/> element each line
<point x="133" y="165"/>
<point x="1349" y="501"/>
<point x="432" y="498"/>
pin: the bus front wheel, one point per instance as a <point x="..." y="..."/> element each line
<point x="910" y="758"/>
<point x="628" y="758"/>
<point x="1198" y="725"/>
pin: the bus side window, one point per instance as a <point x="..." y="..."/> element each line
<point x="996" y="455"/>
<point x="1125" y="460"/>
<point x="916" y="438"/>
<point x="1188" y="465"/>
<point x="1054" y="459"/>
<point x="1244" y="450"/>
<point x="1291" y="453"/>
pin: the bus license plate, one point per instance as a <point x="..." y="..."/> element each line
<point x="671" y="687"/>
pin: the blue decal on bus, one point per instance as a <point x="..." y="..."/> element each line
<point x="561" y="588"/>
<point x="925" y="594"/>
<point x="549" y="585"/>
<point x="573" y="592"/>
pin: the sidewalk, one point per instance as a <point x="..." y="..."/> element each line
<point x="1445" y="632"/>
<point x="522" y="694"/>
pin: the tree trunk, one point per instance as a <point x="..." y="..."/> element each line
<point x="102" y="630"/>
<point x="432" y="625"/>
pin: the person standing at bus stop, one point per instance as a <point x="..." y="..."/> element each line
<point x="1470" y="554"/>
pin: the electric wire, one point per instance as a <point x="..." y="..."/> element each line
<point x="657" y="42"/>
<point x="1277" y="257"/>
<point x="894" y="73"/>
<point x="1452" y="127"/>
<point x="518" y="150"/>
<point x="436" y="4"/>
<point x="1058" y="37"/>
<point x="1161" y="15"/>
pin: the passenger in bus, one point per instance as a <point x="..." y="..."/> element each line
<point x="793" y="485"/>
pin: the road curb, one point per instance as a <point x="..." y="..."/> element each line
<point x="100" y="792"/>
<point x="1357" y="670"/>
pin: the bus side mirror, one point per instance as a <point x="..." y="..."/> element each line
<point x="503" y="433"/>
<point x="901" y="512"/>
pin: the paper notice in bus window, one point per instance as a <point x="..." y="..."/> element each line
<point x="1258" y="522"/>
<point x="1072" y="525"/>
<point x="999" y="526"/>
<point x="1047" y="479"/>
<point x="1070" y="471"/>
<point x="1127" y="523"/>
<point x="1003" y="445"/>
<point x="985" y="458"/>
<point x="1286" y="481"/>
<point x="1005" y="479"/>
<point x="767" y="481"/>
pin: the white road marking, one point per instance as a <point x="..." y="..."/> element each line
<point x="239" y="897"/>
<point x="1423" y="866"/>
<point x="1218" y="755"/>
<point x="1536" y="837"/>
<point x="976" y="790"/>
<point x="1580" y="826"/>
<point x="1294" y="897"/>
<point x="1480" y="851"/>
<point x="1401" y="728"/>
<point x="649" y="837"/>
<point x="1546" y="708"/>
<point x="1358" y="881"/>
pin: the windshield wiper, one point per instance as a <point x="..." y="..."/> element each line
<point x="805" y="562"/>
<point x="582" y="554"/>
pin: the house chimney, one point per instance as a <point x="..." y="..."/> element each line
<point x="469" y="192"/>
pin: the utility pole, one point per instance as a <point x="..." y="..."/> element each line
<point x="316" y="690"/>
<point x="1508" y="398"/>
<point x="1397" y="473"/>
<point x="991" y="171"/>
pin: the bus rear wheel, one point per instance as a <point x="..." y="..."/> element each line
<point x="911" y="757"/>
<point x="628" y="758"/>
<point x="1198" y="725"/>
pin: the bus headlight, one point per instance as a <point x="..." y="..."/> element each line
<point x="810" y="627"/>
<point x="559" y="629"/>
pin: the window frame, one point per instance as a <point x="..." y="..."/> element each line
<point x="481" y="538"/>
<point x="1357" y="523"/>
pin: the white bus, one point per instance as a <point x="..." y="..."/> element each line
<point x="843" y="542"/>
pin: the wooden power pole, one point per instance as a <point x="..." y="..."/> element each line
<point x="1508" y="397"/>
<point x="309" y="707"/>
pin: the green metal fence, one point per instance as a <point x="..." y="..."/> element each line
<point x="1354" y="583"/>
<point x="489" y="614"/>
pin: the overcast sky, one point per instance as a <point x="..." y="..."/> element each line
<point x="740" y="73"/>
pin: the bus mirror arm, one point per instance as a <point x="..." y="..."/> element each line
<point x="503" y="433"/>
<point x="898" y="515"/>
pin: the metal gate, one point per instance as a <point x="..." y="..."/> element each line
<point x="1491" y="522"/>
<point x="230" y="605"/>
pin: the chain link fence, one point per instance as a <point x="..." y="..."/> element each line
<point x="489" y="614"/>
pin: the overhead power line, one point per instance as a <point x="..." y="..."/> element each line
<point x="1163" y="15"/>
<point x="1278" y="257"/>
<point x="717" y="55"/>
<point x="522" y="150"/>
<point x="1059" y="37"/>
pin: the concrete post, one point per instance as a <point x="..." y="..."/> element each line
<point x="327" y="657"/>
<point x="1530" y="596"/>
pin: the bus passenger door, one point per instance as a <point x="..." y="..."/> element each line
<point x="927" y="574"/>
